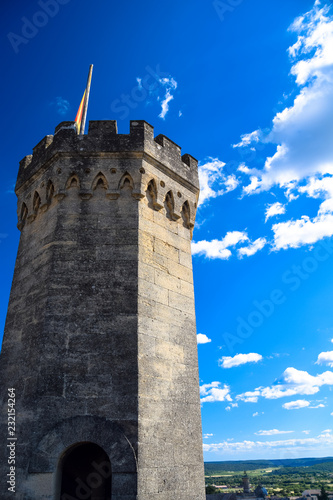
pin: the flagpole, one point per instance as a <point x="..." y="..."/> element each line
<point x="86" y="100"/>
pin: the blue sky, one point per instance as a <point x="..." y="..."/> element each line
<point x="245" y="86"/>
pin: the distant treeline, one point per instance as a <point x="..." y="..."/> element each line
<point x="322" y="467"/>
<point x="312" y="464"/>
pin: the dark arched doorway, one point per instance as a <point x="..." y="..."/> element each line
<point x="86" y="473"/>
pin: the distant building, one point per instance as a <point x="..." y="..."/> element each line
<point x="311" y="493"/>
<point x="246" y="483"/>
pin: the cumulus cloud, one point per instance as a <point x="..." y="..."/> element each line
<point x="272" y="432"/>
<point x="302" y="134"/>
<point x="252" y="248"/>
<point x="302" y="231"/>
<point x="257" y="413"/>
<point x="214" y="181"/>
<point x="296" y="405"/>
<point x="239" y="359"/>
<point x="170" y="85"/>
<point x="310" y="114"/>
<point x="221" y="249"/>
<point x="294" y="382"/>
<point x="274" y="209"/>
<point x="202" y="339"/>
<point x="322" y="441"/>
<point x="210" y="393"/>
<point x="325" y="358"/>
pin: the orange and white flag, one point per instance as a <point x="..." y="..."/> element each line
<point x="78" y="119"/>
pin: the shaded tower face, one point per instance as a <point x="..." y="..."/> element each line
<point x="100" y="339"/>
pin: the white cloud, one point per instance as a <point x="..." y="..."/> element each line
<point x="322" y="441"/>
<point x="326" y="433"/>
<point x="257" y="413"/>
<point x="247" y="139"/>
<point x="61" y="105"/>
<point x="206" y="436"/>
<point x="272" y="432"/>
<point x="202" y="339"/>
<point x="239" y="359"/>
<point x="306" y="432"/>
<point x="210" y="393"/>
<point x="232" y="405"/>
<point x="310" y="114"/>
<point x="218" y="249"/>
<point x="295" y="405"/>
<point x="294" y="382"/>
<point x="170" y="84"/>
<point x="325" y="358"/>
<point x="303" y="231"/>
<point x="302" y="133"/>
<point x="274" y="209"/>
<point x="214" y="181"/>
<point x="252" y="248"/>
<point x="221" y="249"/>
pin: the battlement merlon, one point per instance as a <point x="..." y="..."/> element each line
<point x="103" y="137"/>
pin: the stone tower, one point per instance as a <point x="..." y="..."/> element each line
<point x="100" y="339"/>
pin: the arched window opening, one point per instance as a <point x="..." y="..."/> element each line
<point x="186" y="215"/>
<point x="152" y="192"/>
<point x="169" y="204"/>
<point x="86" y="473"/>
<point x="36" y="202"/>
<point x="24" y="212"/>
<point x="49" y="191"/>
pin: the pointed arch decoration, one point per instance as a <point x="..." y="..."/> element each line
<point x="126" y="181"/>
<point x="151" y="192"/>
<point x="186" y="215"/>
<point x="73" y="182"/>
<point x="49" y="191"/>
<point x="36" y="202"/>
<point x="100" y="182"/>
<point x="169" y="204"/>
<point x="152" y="195"/>
<point x="24" y="212"/>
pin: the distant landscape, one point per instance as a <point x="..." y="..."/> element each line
<point x="289" y="477"/>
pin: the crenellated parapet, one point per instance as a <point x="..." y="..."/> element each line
<point x="103" y="163"/>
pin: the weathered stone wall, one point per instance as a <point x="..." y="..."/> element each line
<point x="170" y="441"/>
<point x="100" y="337"/>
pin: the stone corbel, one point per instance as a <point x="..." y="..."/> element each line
<point x="113" y="194"/>
<point x="138" y="196"/>
<point x="85" y="194"/>
<point x="60" y="194"/>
